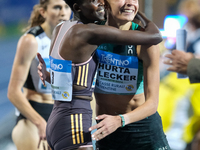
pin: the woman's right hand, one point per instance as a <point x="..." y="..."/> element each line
<point x="41" y="132"/>
<point x="41" y="69"/>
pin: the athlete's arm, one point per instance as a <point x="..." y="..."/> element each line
<point x="26" y="51"/>
<point x="99" y="34"/>
<point x="150" y="56"/>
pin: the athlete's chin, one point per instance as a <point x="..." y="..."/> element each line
<point x="102" y="18"/>
<point x="129" y="18"/>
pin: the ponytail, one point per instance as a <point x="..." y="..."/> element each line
<point x="36" y="18"/>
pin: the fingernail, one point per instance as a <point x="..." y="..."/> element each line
<point x="93" y="138"/>
<point x="90" y="129"/>
<point x="96" y="118"/>
<point x="92" y="135"/>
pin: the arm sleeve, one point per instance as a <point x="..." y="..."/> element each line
<point x="193" y="70"/>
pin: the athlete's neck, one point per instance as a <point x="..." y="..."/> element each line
<point x="120" y="24"/>
<point x="48" y="29"/>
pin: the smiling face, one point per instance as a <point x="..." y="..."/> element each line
<point x="123" y="10"/>
<point x="92" y="10"/>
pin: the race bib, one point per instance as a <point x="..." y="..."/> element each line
<point x="117" y="73"/>
<point x="61" y="79"/>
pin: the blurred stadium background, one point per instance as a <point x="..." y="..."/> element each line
<point x="13" y="17"/>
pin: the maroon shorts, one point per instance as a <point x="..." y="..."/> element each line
<point x="68" y="124"/>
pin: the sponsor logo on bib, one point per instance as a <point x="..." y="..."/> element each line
<point x="113" y="61"/>
<point x="56" y="66"/>
<point x="129" y="87"/>
<point x="65" y="95"/>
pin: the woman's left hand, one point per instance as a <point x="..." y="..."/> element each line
<point x="107" y="126"/>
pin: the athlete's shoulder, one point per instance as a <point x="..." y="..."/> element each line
<point x="26" y="48"/>
<point x="28" y="39"/>
<point x="72" y="26"/>
<point x="37" y="30"/>
<point x="82" y="29"/>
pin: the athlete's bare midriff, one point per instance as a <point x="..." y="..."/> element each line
<point x="38" y="97"/>
<point x="113" y="104"/>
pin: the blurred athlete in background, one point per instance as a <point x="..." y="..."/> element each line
<point x="35" y="101"/>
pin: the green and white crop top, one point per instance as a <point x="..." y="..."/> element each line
<point x="119" y="71"/>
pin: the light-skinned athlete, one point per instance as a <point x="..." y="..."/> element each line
<point x="127" y="89"/>
<point x="34" y="102"/>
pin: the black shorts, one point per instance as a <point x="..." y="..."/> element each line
<point x="42" y="108"/>
<point x="146" y="134"/>
<point x="68" y="125"/>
